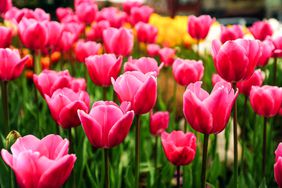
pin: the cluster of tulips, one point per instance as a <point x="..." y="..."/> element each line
<point x="117" y="51"/>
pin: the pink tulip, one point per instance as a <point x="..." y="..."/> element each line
<point x="96" y="32"/>
<point x="74" y="27"/>
<point x="102" y="68"/>
<point x="138" y="88"/>
<point x="85" y="49"/>
<point x="208" y="113"/>
<point x="37" y="14"/>
<point x="266" y="100"/>
<point x="40" y="163"/>
<point x="146" y="33"/>
<point x="187" y="71"/>
<point x="158" y="122"/>
<point x="143" y="64"/>
<point x="128" y="5"/>
<point x="114" y="16"/>
<point x="55" y="30"/>
<point x="179" y="147"/>
<point x="86" y="12"/>
<point x="266" y="52"/>
<point x="64" y="104"/>
<point x="63" y="12"/>
<point x="78" y="84"/>
<point x="118" y="41"/>
<point x="216" y="78"/>
<point x="14" y="15"/>
<point x="198" y="27"/>
<point x="153" y="50"/>
<point x="5" y="37"/>
<point x="236" y="60"/>
<point x="261" y="29"/>
<point x="140" y="14"/>
<point x="245" y="86"/>
<point x="278" y="165"/>
<point x="231" y="33"/>
<point x="5" y="5"/>
<point x="107" y="124"/>
<point x="11" y="64"/>
<point x="278" y="47"/>
<point x="167" y="56"/>
<point x="66" y="41"/>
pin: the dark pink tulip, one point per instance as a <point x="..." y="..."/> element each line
<point x="179" y="147"/>
<point x="278" y="165"/>
<point x="128" y="5"/>
<point x="14" y="15"/>
<point x="277" y="47"/>
<point x="55" y="30"/>
<point x="158" y="122"/>
<point x="85" y="49"/>
<point x="153" y="50"/>
<point x="96" y="32"/>
<point x="140" y="14"/>
<point x="187" y="71"/>
<point x="231" y="33"/>
<point x="138" y="88"/>
<point x="37" y="14"/>
<point x="64" y="104"/>
<point x="267" y="48"/>
<point x="114" y="16"/>
<point x="143" y="64"/>
<point x="63" y="12"/>
<point x="5" y="37"/>
<point x="146" y="33"/>
<point x="208" y="113"/>
<point x="33" y="34"/>
<point x="118" y="41"/>
<point x="167" y="56"/>
<point x="261" y="29"/>
<point x="216" y="78"/>
<point x="11" y="64"/>
<point x="5" y="5"/>
<point x="66" y="41"/>
<point x="198" y="27"/>
<point x="102" y="68"/>
<point x="78" y="84"/>
<point x="77" y="2"/>
<point x="86" y="12"/>
<point x="245" y="86"/>
<point x="74" y="27"/>
<point x="40" y="163"/>
<point x="236" y="60"/>
<point x="266" y="100"/>
<point x="107" y="124"/>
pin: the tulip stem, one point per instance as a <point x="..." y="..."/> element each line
<point x="178" y="176"/>
<point x="274" y="70"/>
<point x="244" y="132"/>
<point x="204" y="160"/>
<point x="264" y="146"/>
<point x="5" y="103"/>
<point x="156" y="156"/>
<point x="235" y="139"/>
<point x="137" y="151"/>
<point x="104" y="93"/>
<point x="107" y="168"/>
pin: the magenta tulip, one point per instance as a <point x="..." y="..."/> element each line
<point x="5" y="5"/>
<point x="40" y="163"/>
<point x="107" y="124"/>
<point x="153" y="50"/>
<point x="158" y="122"/>
<point x="143" y="64"/>
<point x="267" y="48"/>
<point x="260" y="30"/>
<point x="5" y="37"/>
<point x="187" y="71"/>
<point x="167" y="56"/>
<point x="114" y="16"/>
<point x="231" y="33"/>
<point x="66" y="41"/>
<point x="63" y="12"/>
<point x="216" y="78"/>
<point x="206" y="113"/>
<point x="140" y="14"/>
<point x="128" y="5"/>
<point x="198" y="27"/>
<point x="146" y="33"/>
<point x="277" y="46"/>
<point x="85" y="49"/>
<point x="138" y="88"/>
<point x="55" y="30"/>
<point x="278" y="165"/>
<point x="179" y="147"/>
<point x="96" y="32"/>
<point x="245" y="86"/>
<point x="102" y="68"/>
<point x="86" y="12"/>
<point x="266" y="100"/>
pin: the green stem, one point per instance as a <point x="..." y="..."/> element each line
<point x="5" y="103"/>
<point x="178" y="176"/>
<point x="235" y="139"/>
<point x="137" y="151"/>
<point x="107" y="168"/>
<point x="264" y="147"/>
<point x="70" y="140"/>
<point x="104" y="93"/>
<point x="156" y="156"/>
<point x="204" y="160"/>
<point x="274" y="70"/>
<point x="244" y="136"/>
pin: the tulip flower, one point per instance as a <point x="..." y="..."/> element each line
<point x="278" y="165"/>
<point x="146" y="33"/>
<point x="231" y="33"/>
<point x="66" y="41"/>
<point x="187" y="71"/>
<point x="261" y="29"/>
<point x="102" y="68"/>
<point x="216" y="78"/>
<point x="63" y="12"/>
<point x="198" y="27"/>
<point x="153" y="50"/>
<point x="63" y="105"/>
<point x="167" y="56"/>
<point x="159" y="122"/>
<point x="86" y="12"/>
<point x="5" y="5"/>
<point x="40" y="163"/>
<point x="114" y="16"/>
<point x="278" y="46"/>
<point x="236" y="60"/>
<point x="55" y="30"/>
<point x="245" y="86"/>
<point x="85" y="49"/>
<point x="267" y="48"/>
<point x="37" y="14"/>
<point x="128" y="5"/>
<point x="5" y="37"/>
<point x="140" y="14"/>
<point x="96" y="32"/>
<point x="143" y="64"/>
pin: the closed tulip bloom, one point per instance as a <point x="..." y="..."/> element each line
<point x="118" y="41"/>
<point x="143" y="64"/>
<point x="128" y="5"/>
<point x="267" y="48"/>
<point x="5" y="37"/>
<point x="198" y="27"/>
<point x="86" y="12"/>
<point x="231" y="33"/>
<point x="102" y="68"/>
<point x="167" y="56"/>
<point x="55" y="30"/>
<point x="208" y="113"/>
<point x="179" y="147"/>
<point x="245" y="86"/>
<point x="107" y="124"/>
<point x="66" y="41"/>
<point x="40" y="163"/>
<point x="138" y="88"/>
<point x="96" y="32"/>
<point x="216" y="78"/>
<point x="114" y="16"/>
<point x="277" y="47"/>
<point x="187" y="71"/>
<point x="5" y="5"/>
<point x="63" y="12"/>
<point x="236" y="60"/>
<point x="158" y="122"/>
<point x="261" y="29"/>
<point x="64" y="104"/>
<point x="33" y="34"/>
<point x="37" y="14"/>
<point x="153" y="50"/>
<point x="278" y="165"/>
<point x="146" y="33"/>
<point x="78" y="84"/>
<point x="11" y="64"/>
<point x="140" y="14"/>
<point x="85" y="49"/>
<point x="266" y="100"/>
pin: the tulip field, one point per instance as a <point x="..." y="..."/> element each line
<point x="121" y="97"/>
